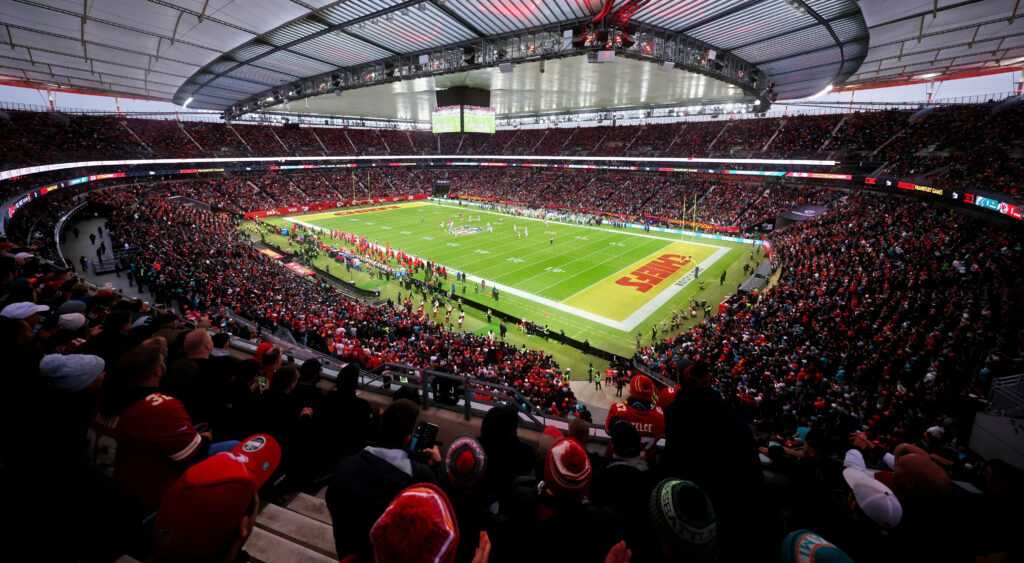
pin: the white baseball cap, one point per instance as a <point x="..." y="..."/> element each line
<point x="71" y="321"/>
<point x="877" y="501"/>
<point x="22" y="310"/>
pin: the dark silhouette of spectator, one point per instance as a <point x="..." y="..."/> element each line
<point x="728" y="469"/>
<point x="365" y="483"/>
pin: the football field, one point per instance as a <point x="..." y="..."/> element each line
<point x="572" y="277"/>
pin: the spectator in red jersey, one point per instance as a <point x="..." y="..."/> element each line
<point x="269" y="364"/>
<point x="641" y="412"/>
<point x="140" y="438"/>
<point x="209" y="513"/>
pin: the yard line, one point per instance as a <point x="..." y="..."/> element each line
<point x="596" y="266"/>
<point x="625" y="232"/>
<point x="532" y="264"/>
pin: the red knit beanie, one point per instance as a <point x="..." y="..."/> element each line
<point x="567" y="470"/>
<point x="260" y="350"/>
<point x="465" y="463"/>
<point x="641" y="388"/>
<point x="419" y="526"/>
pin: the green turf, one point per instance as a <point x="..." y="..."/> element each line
<point x="579" y="266"/>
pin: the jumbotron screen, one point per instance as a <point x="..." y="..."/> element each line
<point x="447" y="119"/>
<point x="478" y="119"/>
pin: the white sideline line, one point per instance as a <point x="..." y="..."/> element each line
<point x="626" y="325"/>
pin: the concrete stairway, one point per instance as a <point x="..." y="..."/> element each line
<point x="298" y="532"/>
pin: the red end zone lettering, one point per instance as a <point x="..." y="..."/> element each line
<point x="654" y="272"/>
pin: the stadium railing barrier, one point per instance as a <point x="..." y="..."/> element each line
<point x="1006" y="396"/>
<point x="471" y="396"/>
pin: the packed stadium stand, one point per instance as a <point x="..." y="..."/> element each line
<point x="888" y="320"/>
<point x="287" y="321"/>
<point x="908" y="144"/>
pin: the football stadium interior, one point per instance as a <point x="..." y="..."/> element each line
<point x="512" y="280"/>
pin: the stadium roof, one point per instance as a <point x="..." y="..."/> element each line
<point x="921" y="39"/>
<point x="220" y="52"/>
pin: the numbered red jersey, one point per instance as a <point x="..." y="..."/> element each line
<point x="650" y="423"/>
<point x="144" y="449"/>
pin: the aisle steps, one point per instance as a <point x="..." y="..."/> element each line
<point x="299" y="532"/>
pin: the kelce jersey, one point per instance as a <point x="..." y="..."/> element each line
<point x="649" y="423"/>
<point x="143" y="448"/>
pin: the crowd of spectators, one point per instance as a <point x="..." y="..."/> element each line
<point x="156" y="441"/>
<point x="804" y="136"/>
<point x="886" y="324"/>
<point x="337" y="141"/>
<point x="216" y="139"/>
<point x="424" y="142"/>
<point x="744" y="136"/>
<point x="282" y="189"/>
<point x="195" y="258"/>
<point x="164" y="137"/>
<point x="397" y="141"/>
<point x="45" y="138"/>
<point x="866" y="131"/>
<point x="655" y="139"/>
<point x="695" y="138"/>
<point x="950" y="146"/>
<point x="261" y="139"/>
<point x="617" y="139"/>
<point x="525" y="141"/>
<point x="450" y="144"/>
<point x="887" y="316"/>
<point x="300" y="141"/>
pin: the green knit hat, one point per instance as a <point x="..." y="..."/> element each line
<point x="683" y="517"/>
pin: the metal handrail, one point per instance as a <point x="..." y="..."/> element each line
<point x="1006" y="395"/>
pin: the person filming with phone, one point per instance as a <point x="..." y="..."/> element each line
<point x="366" y="482"/>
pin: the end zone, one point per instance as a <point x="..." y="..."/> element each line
<point x="622" y="294"/>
